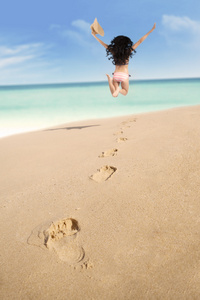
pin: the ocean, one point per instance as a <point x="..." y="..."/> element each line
<point x="32" y="107"/>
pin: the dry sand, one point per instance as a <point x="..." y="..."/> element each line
<point x="103" y="209"/>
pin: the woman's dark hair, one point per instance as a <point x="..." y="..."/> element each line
<point x="120" y="49"/>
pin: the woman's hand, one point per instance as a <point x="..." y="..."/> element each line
<point x="93" y="32"/>
<point x="154" y="26"/>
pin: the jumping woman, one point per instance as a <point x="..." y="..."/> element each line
<point x="120" y="50"/>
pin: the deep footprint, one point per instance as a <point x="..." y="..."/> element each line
<point x="110" y="152"/>
<point x="59" y="236"/>
<point x="59" y="230"/>
<point x="103" y="173"/>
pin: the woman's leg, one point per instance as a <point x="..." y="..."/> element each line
<point x="113" y="85"/>
<point x="117" y="88"/>
<point x="125" y="87"/>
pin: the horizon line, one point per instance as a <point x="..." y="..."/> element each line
<point x="92" y="82"/>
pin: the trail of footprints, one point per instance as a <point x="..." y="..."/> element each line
<point x="61" y="236"/>
<point x="105" y="172"/>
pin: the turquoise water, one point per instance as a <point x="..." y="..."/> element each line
<point x="27" y="108"/>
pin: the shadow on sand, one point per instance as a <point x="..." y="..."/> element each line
<point x="71" y="128"/>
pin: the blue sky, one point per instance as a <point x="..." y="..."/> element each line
<point x="50" y="41"/>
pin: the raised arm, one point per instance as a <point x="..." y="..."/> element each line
<point x="100" y="41"/>
<point x="143" y="38"/>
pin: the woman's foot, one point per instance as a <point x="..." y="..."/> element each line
<point x="110" y="81"/>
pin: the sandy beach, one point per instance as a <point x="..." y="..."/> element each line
<point x="103" y="209"/>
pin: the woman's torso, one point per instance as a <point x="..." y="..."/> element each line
<point x="122" y="68"/>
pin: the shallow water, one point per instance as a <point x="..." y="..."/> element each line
<point x="27" y="108"/>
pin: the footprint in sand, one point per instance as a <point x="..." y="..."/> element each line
<point x="124" y="122"/>
<point x="128" y="121"/>
<point x="133" y="120"/>
<point x="60" y="237"/>
<point x="110" y="152"/>
<point x="118" y="132"/>
<point x="121" y="139"/>
<point x="103" y="173"/>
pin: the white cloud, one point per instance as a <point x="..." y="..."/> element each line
<point x="5" y="50"/>
<point x="181" y="32"/>
<point x="77" y="37"/>
<point x="175" y="23"/>
<point x="18" y="54"/>
<point x="82" y="25"/>
<point x="79" y="32"/>
<point x="13" y="60"/>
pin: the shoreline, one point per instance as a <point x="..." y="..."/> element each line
<point x="30" y="108"/>
<point x="26" y="131"/>
<point x="103" y="209"/>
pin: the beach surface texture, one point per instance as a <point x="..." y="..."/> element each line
<point x="103" y="209"/>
